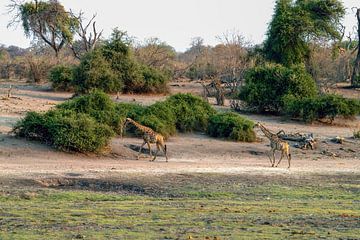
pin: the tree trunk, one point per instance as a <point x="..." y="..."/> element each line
<point x="355" y="78"/>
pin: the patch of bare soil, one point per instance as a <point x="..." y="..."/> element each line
<point x="189" y="153"/>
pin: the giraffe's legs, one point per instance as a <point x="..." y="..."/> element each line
<point x="149" y="149"/>
<point x="156" y="153"/>
<point x="282" y="155"/>
<point x="273" y="158"/>
<point x="288" y="155"/>
<point x="165" y="151"/>
<point x="269" y="156"/>
<point x="140" y="150"/>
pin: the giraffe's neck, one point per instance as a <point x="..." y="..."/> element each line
<point x="267" y="133"/>
<point x="140" y="127"/>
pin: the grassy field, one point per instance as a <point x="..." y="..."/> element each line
<point x="197" y="206"/>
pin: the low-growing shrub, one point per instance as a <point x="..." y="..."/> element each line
<point x="321" y="107"/>
<point x="192" y="113"/>
<point x="98" y="105"/>
<point x="61" y="78"/>
<point x="65" y="130"/>
<point x="266" y="86"/>
<point x="231" y="126"/>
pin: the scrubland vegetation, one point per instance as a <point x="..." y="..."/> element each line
<point x="295" y="74"/>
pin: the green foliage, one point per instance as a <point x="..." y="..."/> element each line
<point x="113" y="68"/>
<point x="266" y="86"/>
<point x="98" y="105"/>
<point x="95" y="72"/>
<point x="65" y="130"/>
<point x="294" y="24"/>
<point x="192" y="113"/>
<point x="201" y="71"/>
<point x="231" y="126"/>
<point x="326" y="106"/>
<point x="48" y="21"/>
<point x="62" y="77"/>
<point x="182" y="112"/>
<point x="154" y="81"/>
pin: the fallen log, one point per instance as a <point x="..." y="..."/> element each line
<point x="304" y="141"/>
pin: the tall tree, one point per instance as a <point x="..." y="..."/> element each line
<point x="47" y="21"/>
<point x="295" y="24"/>
<point x="355" y="78"/>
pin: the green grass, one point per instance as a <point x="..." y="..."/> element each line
<point x="199" y="207"/>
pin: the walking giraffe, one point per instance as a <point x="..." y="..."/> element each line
<point x="149" y="136"/>
<point x="276" y="144"/>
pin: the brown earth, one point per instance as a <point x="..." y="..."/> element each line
<point x="189" y="153"/>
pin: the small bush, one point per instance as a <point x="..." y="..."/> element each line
<point x="266" y="86"/>
<point x="98" y="105"/>
<point x="65" y="130"/>
<point x="231" y="126"/>
<point x="61" y="77"/>
<point x="191" y="112"/>
<point x="321" y="107"/>
<point x="154" y="81"/>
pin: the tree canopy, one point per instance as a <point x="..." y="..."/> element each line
<point x="296" y="23"/>
<point x="47" y="21"/>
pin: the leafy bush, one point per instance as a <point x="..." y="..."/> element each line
<point x="98" y="105"/>
<point x="320" y="107"/>
<point x="65" y="130"/>
<point x="191" y="112"/>
<point x="231" y="126"/>
<point x="266" y="86"/>
<point x="113" y="68"/>
<point x="94" y="72"/>
<point x="154" y="81"/>
<point x="182" y="112"/>
<point x="61" y="77"/>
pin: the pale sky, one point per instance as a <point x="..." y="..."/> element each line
<point x="173" y="21"/>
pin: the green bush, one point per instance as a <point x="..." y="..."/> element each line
<point x="154" y="81"/>
<point x="357" y="134"/>
<point x="266" y="86"/>
<point x="61" y="78"/>
<point x="191" y="112"/>
<point x="325" y="106"/>
<point x="182" y="112"/>
<point x="113" y="68"/>
<point x="98" y="105"/>
<point x="231" y="126"/>
<point x="65" y="130"/>
<point x="95" y="72"/>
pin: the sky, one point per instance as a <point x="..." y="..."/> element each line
<point x="174" y="21"/>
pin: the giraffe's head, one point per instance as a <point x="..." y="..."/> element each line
<point x="258" y="124"/>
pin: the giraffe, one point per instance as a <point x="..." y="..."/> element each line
<point x="276" y="144"/>
<point x="149" y="136"/>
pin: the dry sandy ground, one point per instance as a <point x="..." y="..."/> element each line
<point x="188" y="152"/>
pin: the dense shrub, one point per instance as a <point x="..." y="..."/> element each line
<point x="357" y="134"/>
<point x="94" y="72"/>
<point x="113" y="68"/>
<point x="321" y="107"/>
<point x="98" y="105"/>
<point x="182" y="112"/>
<point x="192" y="113"/>
<point x="61" y="78"/>
<point x="266" y="86"/>
<point x="154" y="81"/>
<point x="65" y="130"/>
<point x="231" y="126"/>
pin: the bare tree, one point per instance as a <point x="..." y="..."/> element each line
<point x="86" y="31"/>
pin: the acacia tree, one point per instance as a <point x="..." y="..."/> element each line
<point x="296" y="23"/>
<point x="47" y="21"/>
